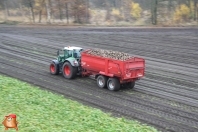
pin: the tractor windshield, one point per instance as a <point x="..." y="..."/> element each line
<point x="70" y="53"/>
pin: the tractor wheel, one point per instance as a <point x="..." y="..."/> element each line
<point x="54" y="68"/>
<point x="69" y="71"/>
<point x="113" y="84"/>
<point x="101" y="81"/>
<point x="130" y="84"/>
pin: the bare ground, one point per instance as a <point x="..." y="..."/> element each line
<point x="166" y="98"/>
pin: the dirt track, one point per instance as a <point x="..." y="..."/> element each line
<point x="166" y="98"/>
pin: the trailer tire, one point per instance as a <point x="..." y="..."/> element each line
<point x="69" y="71"/>
<point x="54" y="68"/>
<point x="130" y="84"/>
<point x="101" y="81"/>
<point x="113" y="84"/>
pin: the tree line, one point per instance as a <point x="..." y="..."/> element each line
<point x="57" y="9"/>
<point x="80" y="11"/>
<point x="183" y="9"/>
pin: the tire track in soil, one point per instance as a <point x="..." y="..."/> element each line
<point x="137" y="115"/>
<point x="134" y="42"/>
<point x="45" y="59"/>
<point x="131" y="42"/>
<point x="143" y="51"/>
<point x="141" y="85"/>
<point x="185" y="114"/>
<point x="46" y="70"/>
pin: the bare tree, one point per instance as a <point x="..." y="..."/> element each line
<point x="60" y="9"/>
<point x="126" y="4"/>
<point x="20" y="7"/>
<point x="87" y="11"/>
<point x="41" y="9"/>
<point x="107" y="6"/>
<point x="79" y="11"/>
<point x="48" y="10"/>
<point x="30" y="5"/>
<point x="67" y="12"/>
<point x="32" y="9"/>
<point x="154" y="12"/>
<point x="5" y="10"/>
<point x="195" y="10"/>
<point x="65" y="4"/>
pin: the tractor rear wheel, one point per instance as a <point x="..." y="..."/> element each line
<point x="101" y="81"/>
<point x="54" y="68"/>
<point x="69" y="71"/>
<point x="113" y="84"/>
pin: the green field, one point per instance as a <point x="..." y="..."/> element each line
<point x="42" y="111"/>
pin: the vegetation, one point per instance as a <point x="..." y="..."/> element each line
<point x="117" y="14"/>
<point x="182" y="13"/>
<point x="42" y="111"/>
<point x="83" y="11"/>
<point x="136" y="10"/>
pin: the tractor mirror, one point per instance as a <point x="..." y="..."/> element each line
<point x="57" y="52"/>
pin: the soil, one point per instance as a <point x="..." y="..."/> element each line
<point x="166" y="98"/>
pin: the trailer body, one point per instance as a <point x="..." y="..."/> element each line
<point x="126" y="71"/>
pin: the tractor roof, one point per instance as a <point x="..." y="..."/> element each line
<point x="72" y="48"/>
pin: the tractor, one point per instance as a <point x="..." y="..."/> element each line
<point x="67" y="62"/>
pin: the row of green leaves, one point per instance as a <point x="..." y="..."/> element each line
<point x="42" y="111"/>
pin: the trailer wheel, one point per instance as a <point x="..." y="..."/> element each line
<point x="113" y="84"/>
<point x="102" y="81"/>
<point x="130" y="84"/>
<point x="69" y="71"/>
<point x="54" y="68"/>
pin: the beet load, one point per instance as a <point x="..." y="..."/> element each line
<point x="110" y="54"/>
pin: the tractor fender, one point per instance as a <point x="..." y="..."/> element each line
<point x="71" y="61"/>
<point x="55" y="61"/>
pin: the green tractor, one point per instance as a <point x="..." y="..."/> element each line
<point x="67" y="62"/>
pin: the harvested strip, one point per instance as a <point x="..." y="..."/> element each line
<point x="110" y="54"/>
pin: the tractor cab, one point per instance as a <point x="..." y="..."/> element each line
<point x="69" y="52"/>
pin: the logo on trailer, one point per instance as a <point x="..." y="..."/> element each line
<point x="10" y="122"/>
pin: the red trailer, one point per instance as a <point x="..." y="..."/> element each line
<point x="112" y="73"/>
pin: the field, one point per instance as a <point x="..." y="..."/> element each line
<point x="165" y="98"/>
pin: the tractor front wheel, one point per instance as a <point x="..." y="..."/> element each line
<point x="69" y="71"/>
<point x="54" y="68"/>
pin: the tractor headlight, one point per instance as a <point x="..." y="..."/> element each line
<point x="75" y="63"/>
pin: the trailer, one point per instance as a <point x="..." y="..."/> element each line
<point x="108" y="72"/>
<point x="112" y="73"/>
